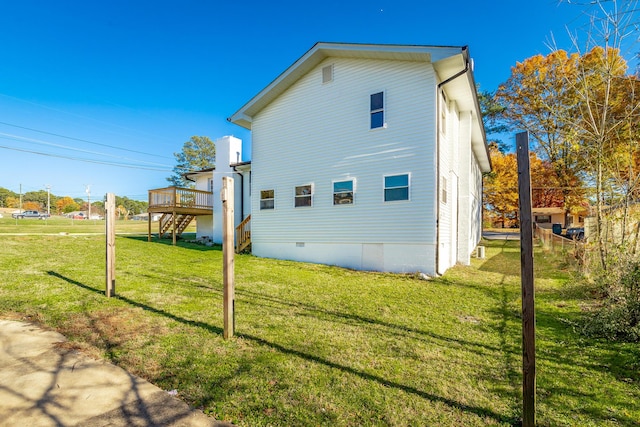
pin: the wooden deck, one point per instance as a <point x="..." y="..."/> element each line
<point x="179" y="207"/>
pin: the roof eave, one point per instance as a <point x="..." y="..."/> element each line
<point x="321" y="50"/>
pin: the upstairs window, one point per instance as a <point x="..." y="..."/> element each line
<point x="343" y="192"/>
<point x="445" y="193"/>
<point x="396" y="187"/>
<point x="377" y="110"/>
<point x="303" y="196"/>
<point x="267" y="199"/>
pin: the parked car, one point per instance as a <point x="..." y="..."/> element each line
<point x="30" y="214"/>
<point x="576" y="233"/>
<point x="80" y="216"/>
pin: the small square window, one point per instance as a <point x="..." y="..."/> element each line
<point x="343" y="192"/>
<point x="377" y="110"/>
<point x="267" y="199"/>
<point x="303" y="196"/>
<point x="396" y="187"/>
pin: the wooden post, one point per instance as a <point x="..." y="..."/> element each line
<point x="226" y="195"/>
<point x="526" y="269"/>
<point x="173" y="218"/>
<point x="110" y="216"/>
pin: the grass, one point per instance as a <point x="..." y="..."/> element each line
<point x="59" y="224"/>
<point x="320" y="345"/>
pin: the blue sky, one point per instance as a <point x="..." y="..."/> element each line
<point x="128" y="82"/>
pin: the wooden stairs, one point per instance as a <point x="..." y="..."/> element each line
<point x="171" y="221"/>
<point x="243" y="235"/>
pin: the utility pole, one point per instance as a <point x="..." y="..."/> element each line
<point x="88" y="191"/>
<point x="20" y="198"/>
<point x="48" y="199"/>
<point x="527" y="279"/>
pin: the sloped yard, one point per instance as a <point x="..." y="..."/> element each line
<point x="318" y="345"/>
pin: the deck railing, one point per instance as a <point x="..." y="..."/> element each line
<point x="243" y="234"/>
<point x="180" y="198"/>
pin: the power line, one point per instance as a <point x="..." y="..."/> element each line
<point x="71" y="113"/>
<point x="82" y="140"/>
<point x="122" y="165"/>
<point x="39" y="141"/>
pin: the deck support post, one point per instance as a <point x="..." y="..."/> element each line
<point x="173" y="218"/>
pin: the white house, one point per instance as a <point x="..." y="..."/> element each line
<point x="368" y="157"/>
<point x="228" y="163"/>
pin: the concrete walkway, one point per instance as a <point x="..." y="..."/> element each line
<point x="44" y="384"/>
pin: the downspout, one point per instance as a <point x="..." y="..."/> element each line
<point x="465" y="52"/>
<point x="241" y="191"/>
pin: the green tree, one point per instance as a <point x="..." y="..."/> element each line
<point x="133" y="207"/>
<point x="36" y="196"/>
<point x="12" y="201"/>
<point x="493" y="117"/>
<point x="4" y="193"/>
<point x="198" y="153"/>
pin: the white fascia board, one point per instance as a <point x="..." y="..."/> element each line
<point x="463" y="91"/>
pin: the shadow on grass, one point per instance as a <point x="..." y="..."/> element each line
<point x="346" y="317"/>
<point x="503" y="262"/>
<point x="479" y="411"/>
<point x="181" y="242"/>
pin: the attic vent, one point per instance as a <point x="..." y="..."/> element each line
<point x="327" y="74"/>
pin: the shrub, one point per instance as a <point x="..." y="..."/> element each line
<point x="618" y="316"/>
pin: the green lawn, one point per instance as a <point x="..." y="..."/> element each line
<point x="318" y="345"/>
<point x="59" y="224"/>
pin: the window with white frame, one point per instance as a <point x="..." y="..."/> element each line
<point x="343" y="192"/>
<point x="396" y="187"/>
<point x="444" y="190"/>
<point x="267" y="199"/>
<point x="303" y="195"/>
<point x="377" y="110"/>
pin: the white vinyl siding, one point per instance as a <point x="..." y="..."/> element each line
<point x="319" y="133"/>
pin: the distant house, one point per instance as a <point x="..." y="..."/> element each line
<point x="546" y="217"/>
<point x="364" y="156"/>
